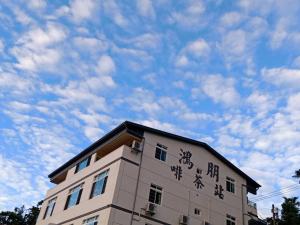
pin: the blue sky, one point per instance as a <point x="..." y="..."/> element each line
<point x="223" y="72"/>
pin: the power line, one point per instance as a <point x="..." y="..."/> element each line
<point x="279" y="190"/>
<point x="276" y="194"/>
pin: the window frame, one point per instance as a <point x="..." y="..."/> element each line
<point x="88" y="159"/>
<point x="230" y="220"/>
<point x="230" y="185"/>
<point x="105" y="173"/>
<point x="71" y="192"/>
<point x="157" y="189"/>
<point x="87" y="222"/>
<point x="52" y="202"/>
<point x="163" y="151"/>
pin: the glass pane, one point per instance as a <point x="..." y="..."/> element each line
<point x="73" y="199"/>
<point x="157" y="153"/>
<point x="98" y="187"/>
<point x="163" y="155"/>
<point x="152" y="196"/>
<point x="158" y="198"/>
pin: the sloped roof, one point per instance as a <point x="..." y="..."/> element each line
<point x="138" y="130"/>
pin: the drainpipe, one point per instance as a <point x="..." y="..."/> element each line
<point x="243" y="207"/>
<point x="137" y="182"/>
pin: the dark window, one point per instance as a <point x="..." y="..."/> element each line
<point x="230" y="184"/>
<point x="84" y="163"/>
<point x="74" y="196"/>
<point x="99" y="184"/>
<point x="91" y="221"/>
<point x="197" y="211"/>
<point x="160" y="152"/>
<point x="50" y="208"/>
<point x="155" y="194"/>
<point x="230" y="220"/>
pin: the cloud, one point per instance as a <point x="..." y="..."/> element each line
<point x="260" y="102"/>
<point x="35" y="50"/>
<point x="90" y="44"/>
<point x="82" y="9"/>
<point x="105" y="65"/>
<point x="234" y="44"/>
<point x="191" y="17"/>
<point x="219" y="89"/>
<point x="112" y="9"/>
<point x="37" y="4"/>
<point x="231" y="19"/>
<point x="195" y="50"/>
<point x="282" y="76"/>
<point x="145" y="8"/>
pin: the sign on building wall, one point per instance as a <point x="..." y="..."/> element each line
<point x="212" y="171"/>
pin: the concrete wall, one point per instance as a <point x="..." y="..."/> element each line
<point x="86" y="206"/>
<point x="179" y="197"/>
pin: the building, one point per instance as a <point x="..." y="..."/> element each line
<point x="139" y="175"/>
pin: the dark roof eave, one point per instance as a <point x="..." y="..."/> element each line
<point x="137" y="130"/>
<point x="96" y="144"/>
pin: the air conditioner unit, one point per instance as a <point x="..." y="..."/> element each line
<point x="184" y="220"/>
<point x="150" y="209"/>
<point x="136" y="146"/>
<point x="206" y="223"/>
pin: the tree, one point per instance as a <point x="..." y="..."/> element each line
<point x="297" y="174"/>
<point x="290" y="211"/>
<point x="20" y="216"/>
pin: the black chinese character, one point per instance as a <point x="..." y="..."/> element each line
<point x="213" y="171"/>
<point x="219" y="191"/>
<point x="198" y="181"/>
<point x="186" y="158"/>
<point x="177" y="171"/>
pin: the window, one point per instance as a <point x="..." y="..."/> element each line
<point x="160" y="152"/>
<point x="84" y="163"/>
<point x="50" y="208"/>
<point x="74" y="196"/>
<point x="230" y="184"/>
<point x="91" y="221"/>
<point x="197" y="211"/>
<point x="99" y="184"/>
<point x="155" y="194"/>
<point x="230" y="220"/>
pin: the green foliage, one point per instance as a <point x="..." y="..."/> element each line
<point x="290" y="212"/>
<point x="20" y="216"/>
<point x="297" y="174"/>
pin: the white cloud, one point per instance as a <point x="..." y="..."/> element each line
<point x="234" y="44"/>
<point x="105" y="65"/>
<point x="1" y="46"/>
<point x="191" y="16"/>
<point x="282" y="77"/>
<point x="231" y="19"/>
<point x="82" y="9"/>
<point x="260" y="102"/>
<point x="196" y="49"/>
<point x="114" y="12"/>
<point x="37" y="4"/>
<point x="146" y="41"/>
<point x="145" y="8"/>
<point x="90" y="44"/>
<point x="35" y="50"/>
<point x="15" y="84"/>
<point x="219" y="89"/>
<point x="93" y="133"/>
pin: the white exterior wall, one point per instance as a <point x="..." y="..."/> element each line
<point x="179" y="197"/>
<point x="114" y="207"/>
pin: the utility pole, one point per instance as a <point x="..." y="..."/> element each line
<point x="274" y="214"/>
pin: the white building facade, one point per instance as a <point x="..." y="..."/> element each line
<point x="140" y="175"/>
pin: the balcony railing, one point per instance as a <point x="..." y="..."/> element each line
<point x="251" y="204"/>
